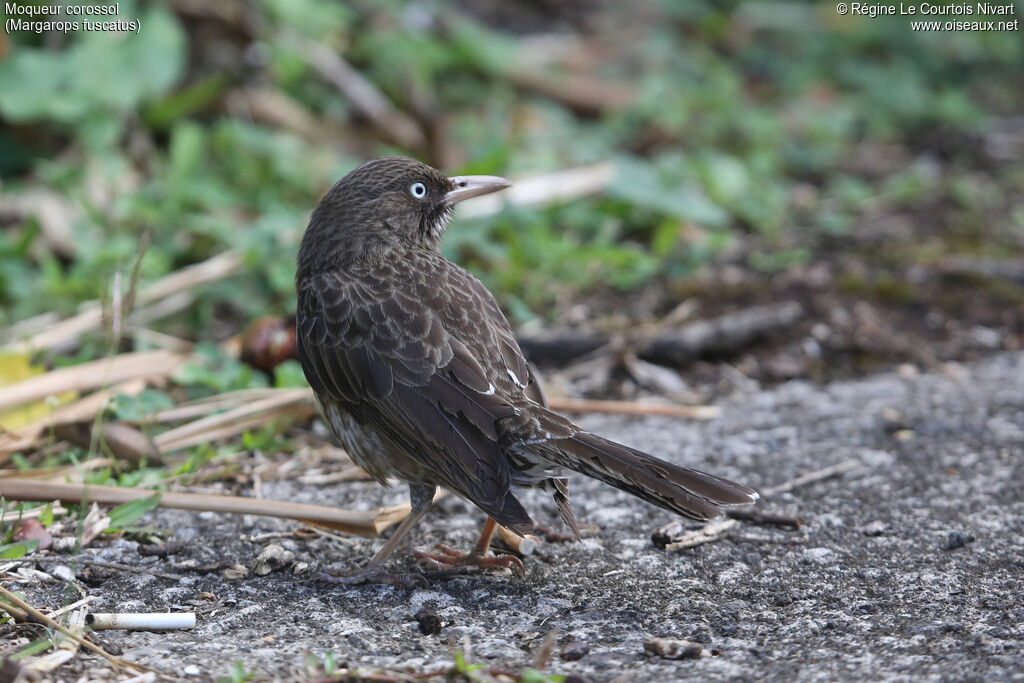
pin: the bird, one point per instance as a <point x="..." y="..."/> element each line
<point x="418" y="374"/>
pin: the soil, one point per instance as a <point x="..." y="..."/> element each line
<point x="859" y="315"/>
<point x="909" y="566"/>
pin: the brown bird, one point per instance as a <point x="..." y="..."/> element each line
<point x="419" y="375"/>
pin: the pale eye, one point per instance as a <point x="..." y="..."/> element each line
<point x="418" y="190"/>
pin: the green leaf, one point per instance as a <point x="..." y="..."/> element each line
<point x="46" y="516"/>
<point x="238" y="674"/>
<point x="77" y="83"/>
<point x="668" y="193"/>
<point x="289" y="374"/>
<point x="215" y="369"/>
<point x="33" y="648"/>
<point x="530" y="675"/>
<point x="724" y="177"/>
<point x="141" y="407"/>
<point x="127" y="513"/>
<point x="310" y="17"/>
<point x="13" y="551"/>
<point x="186" y="152"/>
<point x="177" y="105"/>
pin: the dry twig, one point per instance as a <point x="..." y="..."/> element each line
<point x="57" y="511"/>
<point x="1011" y="269"/>
<point x="295" y="403"/>
<point x="765" y="518"/>
<point x="90" y="562"/>
<point x="875" y="334"/>
<point x="42" y="618"/>
<point x="91" y="375"/>
<point x="67" y="331"/>
<point x="280" y="110"/>
<point x="369" y="523"/>
<point x="32" y="435"/>
<point x="584" y="95"/>
<point x="811" y="477"/>
<point x="674" y="536"/>
<point x="362" y="94"/>
<point x="725" y="333"/>
<point x="123" y="442"/>
<point x="675" y="345"/>
<point x="707" y="533"/>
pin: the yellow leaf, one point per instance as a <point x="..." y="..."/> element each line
<point x="15" y="367"/>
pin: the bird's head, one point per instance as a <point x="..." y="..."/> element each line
<point x="385" y="203"/>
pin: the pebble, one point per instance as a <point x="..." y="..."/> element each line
<point x="429" y="622"/>
<point x="273" y="557"/>
<point x="873" y="529"/>
<point x="667" y="648"/>
<point x="817" y="554"/>
<point x="956" y="539"/>
<point x="64" y="574"/>
<point x="236" y="571"/>
<point x="575" y="650"/>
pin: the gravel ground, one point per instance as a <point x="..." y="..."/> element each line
<point x="910" y="566"/>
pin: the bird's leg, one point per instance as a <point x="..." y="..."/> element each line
<point x="445" y="557"/>
<point x="420" y="498"/>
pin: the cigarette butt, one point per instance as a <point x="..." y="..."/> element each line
<point x="153" y="621"/>
<point x="524" y="545"/>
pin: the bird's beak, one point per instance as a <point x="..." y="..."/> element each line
<point x="467" y="186"/>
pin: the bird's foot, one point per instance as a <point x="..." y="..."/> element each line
<point x="375" y="575"/>
<point x="447" y="558"/>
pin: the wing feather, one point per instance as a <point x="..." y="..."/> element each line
<point x="388" y="356"/>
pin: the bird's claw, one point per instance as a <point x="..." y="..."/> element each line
<point x="445" y="557"/>
<point x="378" y="576"/>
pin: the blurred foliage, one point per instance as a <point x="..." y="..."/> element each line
<point x="211" y="370"/>
<point x="126" y="514"/>
<point x="751" y="124"/>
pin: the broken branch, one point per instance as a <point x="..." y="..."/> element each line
<point x="215" y="268"/>
<point x="811" y="477"/>
<point x="91" y="375"/>
<point x="674" y="536"/>
<point x="706" y="534"/>
<point x="369" y="523"/>
<point x="42" y="618"/>
<point x="724" y="334"/>
<point x="364" y="96"/>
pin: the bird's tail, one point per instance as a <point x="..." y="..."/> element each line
<point x="681" y="490"/>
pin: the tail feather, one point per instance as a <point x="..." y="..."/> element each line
<point x="511" y="515"/>
<point x="560" y="492"/>
<point x="682" y="490"/>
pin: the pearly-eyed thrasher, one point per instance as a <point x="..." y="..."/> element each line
<point x="420" y="378"/>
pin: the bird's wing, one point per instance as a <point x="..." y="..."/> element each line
<point x="490" y="332"/>
<point x="384" y="352"/>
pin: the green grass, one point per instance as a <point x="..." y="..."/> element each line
<point x="748" y="105"/>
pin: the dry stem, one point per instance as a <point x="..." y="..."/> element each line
<point x="42" y="618"/>
<point x="369" y="523"/>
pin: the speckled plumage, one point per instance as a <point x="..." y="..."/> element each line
<point x="418" y="372"/>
